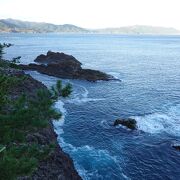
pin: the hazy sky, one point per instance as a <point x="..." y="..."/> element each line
<point x="95" y="13"/>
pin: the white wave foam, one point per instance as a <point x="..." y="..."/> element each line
<point x="88" y="151"/>
<point x="114" y="74"/>
<point x="59" y="106"/>
<point x="86" y="92"/>
<point x="87" y="156"/>
<point x="80" y="98"/>
<point x="168" y="122"/>
<point x="125" y="177"/>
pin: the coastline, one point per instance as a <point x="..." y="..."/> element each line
<point x="58" y="164"/>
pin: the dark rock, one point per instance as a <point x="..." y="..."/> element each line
<point x="59" y="60"/>
<point x="36" y="138"/>
<point x="65" y="66"/>
<point x="176" y="146"/>
<point x="11" y="71"/>
<point x="58" y="165"/>
<point x="129" y="123"/>
<point x="28" y="85"/>
<point x="56" y="57"/>
<point x="93" y="75"/>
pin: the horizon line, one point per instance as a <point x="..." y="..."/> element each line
<point x="89" y="28"/>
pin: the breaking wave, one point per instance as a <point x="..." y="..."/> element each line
<point x="158" y="122"/>
<point x="82" y="97"/>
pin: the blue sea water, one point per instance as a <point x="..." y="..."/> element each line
<point x="149" y="67"/>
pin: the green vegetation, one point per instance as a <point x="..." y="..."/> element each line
<point x="58" y="90"/>
<point x="20" y="117"/>
<point x="22" y="159"/>
<point x="8" y="63"/>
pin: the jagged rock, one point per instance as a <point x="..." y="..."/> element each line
<point x="65" y="66"/>
<point x="58" y="165"/>
<point x="61" y="60"/>
<point x="28" y="85"/>
<point x="129" y="123"/>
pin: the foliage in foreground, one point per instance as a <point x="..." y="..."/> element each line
<point x="20" y="117"/>
<point x="22" y="159"/>
<point x="24" y="116"/>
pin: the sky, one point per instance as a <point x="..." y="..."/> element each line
<point x="95" y="13"/>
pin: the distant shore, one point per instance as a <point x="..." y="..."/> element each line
<point x="18" y="26"/>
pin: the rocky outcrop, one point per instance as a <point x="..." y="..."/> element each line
<point x="68" y="62"/>
<point x="58" y="165"/>
<point x="129" y="123"/>
<point x="28" y="85"/>
<point x="65" y="66"/>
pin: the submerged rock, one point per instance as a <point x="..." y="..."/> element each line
<point x="176" y="146"/>
<point x="65" y="66"/>
<point x="129" y="123"/>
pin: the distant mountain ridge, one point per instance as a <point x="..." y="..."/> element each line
<point x="11" y="25"/>
<point x="139" y="29"/>
<point x="17" y="26"/>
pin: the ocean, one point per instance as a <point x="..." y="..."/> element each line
<point x="149" y="91"/>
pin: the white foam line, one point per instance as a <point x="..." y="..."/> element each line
<point x="59" y="106"/>
<point x="82" y="98"/>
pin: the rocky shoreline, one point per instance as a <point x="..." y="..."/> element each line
<point x="58" y="165"/>
<point x="65" y="66"/>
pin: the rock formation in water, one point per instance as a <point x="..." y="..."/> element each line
<point x="65" y="66"/>
<point x="129" y="123"/>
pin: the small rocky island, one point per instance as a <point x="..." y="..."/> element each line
<point x="129" y="123"/>
<point x="64" y="66"/>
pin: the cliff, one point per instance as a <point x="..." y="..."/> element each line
<point x="56" y="164"/>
